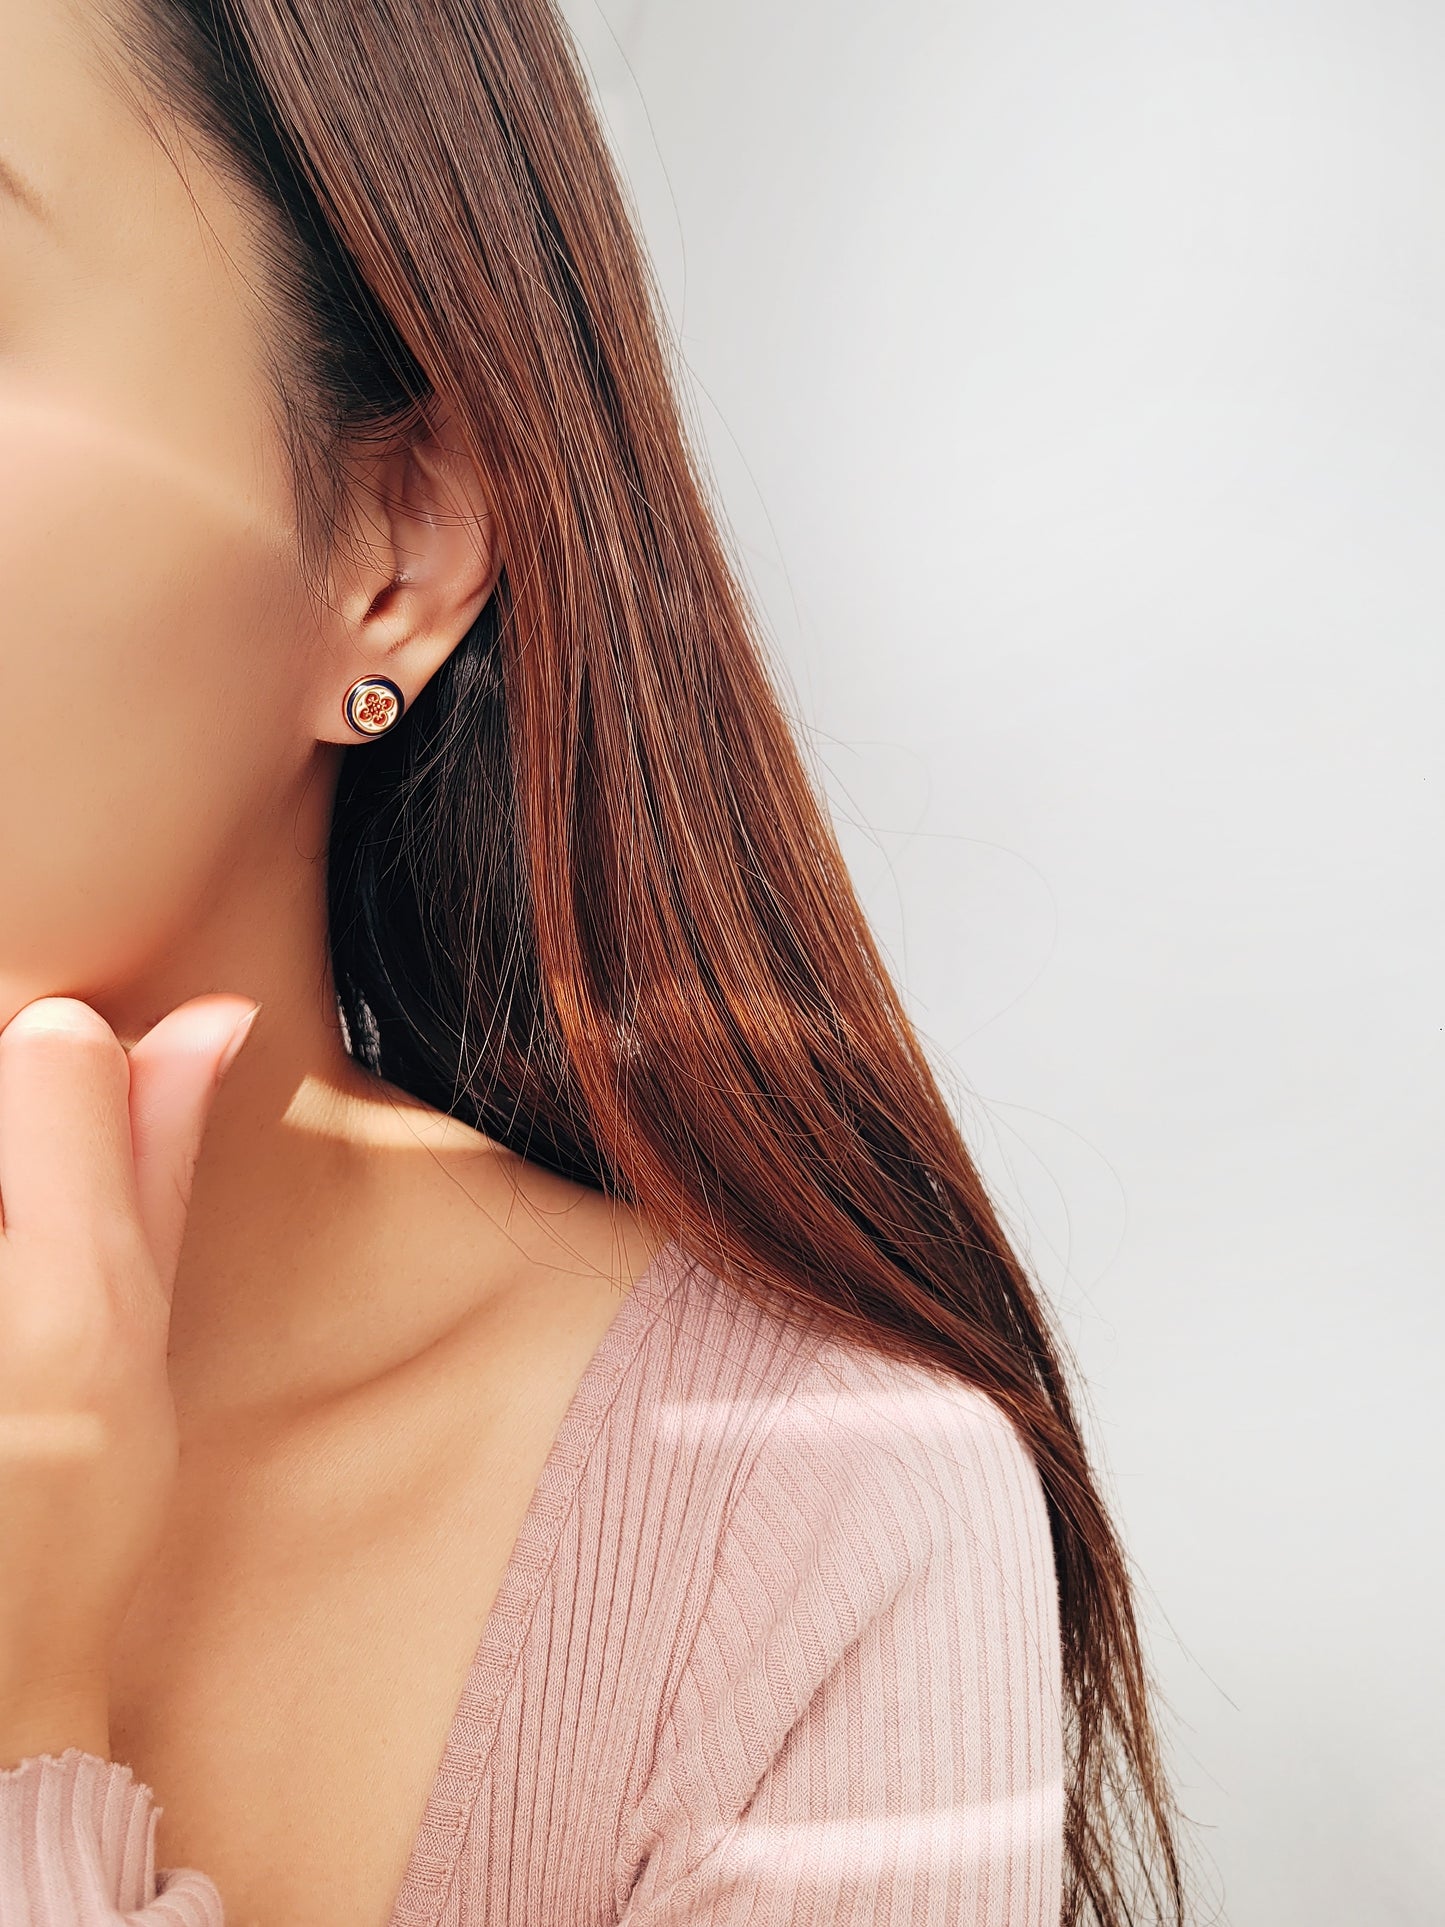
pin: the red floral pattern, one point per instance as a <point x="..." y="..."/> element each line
<point x="376" y="710"/>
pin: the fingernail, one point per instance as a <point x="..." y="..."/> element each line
<point x="233" y="1048"/>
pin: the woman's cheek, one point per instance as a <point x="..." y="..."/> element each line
<point x="141" y="717"/>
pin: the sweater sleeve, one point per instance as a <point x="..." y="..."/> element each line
<point x="77" y="1849"/>
<point x="868" y="1725"/>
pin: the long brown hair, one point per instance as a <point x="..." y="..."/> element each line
<point x="587" y="897"/>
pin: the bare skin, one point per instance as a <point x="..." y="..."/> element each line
<point x="379" y="1315"/>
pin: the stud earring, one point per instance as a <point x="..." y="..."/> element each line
<point x="373" y="705"/>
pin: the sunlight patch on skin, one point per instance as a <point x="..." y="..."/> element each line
<point x="379" y="1116"/>
<point x="27" y="1438"/>
<point x="80" y="430"/>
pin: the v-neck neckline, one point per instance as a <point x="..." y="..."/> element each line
<point x="473" y="1730"/>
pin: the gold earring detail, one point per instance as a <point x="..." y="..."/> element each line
<point x="373" y="705"/>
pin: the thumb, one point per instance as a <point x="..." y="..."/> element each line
<point x="175" y="1071"/>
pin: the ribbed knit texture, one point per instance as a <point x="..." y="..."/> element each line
<point x="778" y="1643"/>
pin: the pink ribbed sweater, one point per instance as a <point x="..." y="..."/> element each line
<point x="778" y="1643"/>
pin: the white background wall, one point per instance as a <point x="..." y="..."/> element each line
<point x="1075" y="379"/>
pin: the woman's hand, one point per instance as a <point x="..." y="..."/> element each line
<point x="97" y="1152"/>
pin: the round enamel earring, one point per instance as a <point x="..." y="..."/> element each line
<point x="373" y="705"/>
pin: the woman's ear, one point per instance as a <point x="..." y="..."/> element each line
<point x="410" y="587"/>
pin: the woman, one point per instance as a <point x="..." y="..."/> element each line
<point x="594" y="1454"/>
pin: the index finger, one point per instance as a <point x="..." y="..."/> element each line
<point x="66" y="1162"/>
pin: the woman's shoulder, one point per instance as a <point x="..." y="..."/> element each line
<point x="788" y="1395"/>
<point x="874" y="1631"/>
<point x="801" y="1463"/>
